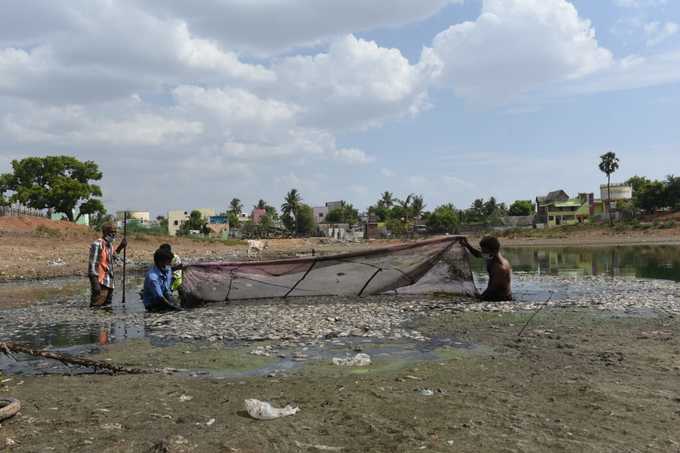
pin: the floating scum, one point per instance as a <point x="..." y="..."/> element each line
<point x="435" y="265"/>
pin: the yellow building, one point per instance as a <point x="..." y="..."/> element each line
<point x="177" y="218"/>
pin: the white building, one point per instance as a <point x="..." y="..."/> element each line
<point x="143" y="217"/>
<point x="619" y="192"/>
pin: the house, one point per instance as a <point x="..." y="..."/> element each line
<point x="544" y="203"/>
<point x="218" y="226"/>
<point x="257" y="214"/>
<point x="177" y="218"/>
<point x="141" y="217"/>
<point x="320" y="212"/>
<point x="82" y="220"/>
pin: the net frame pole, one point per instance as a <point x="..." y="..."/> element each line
<point x="125" y="218"/>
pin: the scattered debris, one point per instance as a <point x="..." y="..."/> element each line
<point x="360" y="359"/>
<point x="425" y="392"/>
<point x="184" y="398"/>
<point x="210" y="422"/>
<point x="262" y="410"/>
<point x="318" y="447"/>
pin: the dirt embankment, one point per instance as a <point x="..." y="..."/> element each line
<point x="594" y="235"/>
<point x="33" y="248"/>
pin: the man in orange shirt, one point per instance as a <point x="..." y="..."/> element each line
<point x="100" y="269"/>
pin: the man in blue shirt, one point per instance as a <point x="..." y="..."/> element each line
<point x="158" y="282"/>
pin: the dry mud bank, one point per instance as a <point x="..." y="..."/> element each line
<point x="578" y="380"/>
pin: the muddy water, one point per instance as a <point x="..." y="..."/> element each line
<point x="122" y="338"/>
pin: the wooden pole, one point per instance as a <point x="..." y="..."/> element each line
<point x="125" y="217"/>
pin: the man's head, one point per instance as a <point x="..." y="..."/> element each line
<point x="165" y="247"/>
<point x="162" y="258"/>
<point x="490" y="245"/>
<point x="109" y="231"/>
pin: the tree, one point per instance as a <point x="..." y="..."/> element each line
<point x="4" y="187"/>
<point x="234" y="220"/>
<point x="673" y="192"/>
<point x="417" y="206"/>
<point x="304" y="220"/>
<point x="521" y="208"/>
<point x="61" y="183"/>
<point x="651" y="197"/>
<point x="609" y="163"/>
<point x="235" y="206"/>
<point x="345" y="214"/>
<point x="261" y="204"/>
<point x="444" y="219"/>
<point x="289" y="209"/>
<point x="196" y="222"/>
<point x="386" y="200"/>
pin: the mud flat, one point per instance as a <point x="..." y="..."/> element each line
<point x="596" y="370"/>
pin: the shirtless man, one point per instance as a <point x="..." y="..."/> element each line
<point x="499" y="269"/>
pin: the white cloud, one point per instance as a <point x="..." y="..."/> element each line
<point x="658" y="32"/>
<point x="353" y="156"/>
<point x="121" y="125"/>
<point x="386" y="172"/>
<point x="272" y="26"/>
<point x="356" y="84"/>
<point x="516" y="46"/>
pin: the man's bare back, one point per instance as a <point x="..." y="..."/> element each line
<point x="499" y="269"/>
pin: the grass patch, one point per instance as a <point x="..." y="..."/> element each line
<point x="186" y="356"/>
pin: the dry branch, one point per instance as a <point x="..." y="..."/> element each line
<point x="8" y="347"/>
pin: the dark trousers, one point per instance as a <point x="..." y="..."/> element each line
<point x="101" y="299"/>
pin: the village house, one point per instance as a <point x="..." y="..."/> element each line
<point x="177" y="218"/>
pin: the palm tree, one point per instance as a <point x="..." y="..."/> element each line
<point x="261" y="204"/>
<point x="386" y="200"/>
<point x="417" y="206"/>
<point x="235" y="206"/>
<point x="290" y="207"/>
<point x="609" y="163"/>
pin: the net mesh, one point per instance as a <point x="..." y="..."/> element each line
<point x="437" y="265"/>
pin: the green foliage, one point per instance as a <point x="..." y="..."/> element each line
<point x="652" y="195"/>
<point x="235" y="206"/>
<point x="609" y="163"/>
<point x="304" y="220"/>
<point x="61" y="183"/>
<point x="234" y="221"/>
<point x="673" y="192"/>
<point x="196" y="222"/>
<point x="290" y="208"/>
<point x="344" y="214"/>
<point x="99" y="219"/>
<point x="521" y="208"/>
<point x="444" y="219"/>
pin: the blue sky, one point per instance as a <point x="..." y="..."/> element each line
<point x="189" y="107"/>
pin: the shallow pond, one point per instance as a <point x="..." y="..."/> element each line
<point x="127" y="321"/>
<point x="640" y="261"/>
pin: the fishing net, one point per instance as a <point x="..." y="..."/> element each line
<point x="437" y="265"/>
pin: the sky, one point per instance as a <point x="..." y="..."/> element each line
<point x="190" y="104"/>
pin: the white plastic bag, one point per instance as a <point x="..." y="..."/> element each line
<point x="262" y="410"/>
<point x="360" y="359"/>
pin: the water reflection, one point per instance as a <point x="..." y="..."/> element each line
<point x="654" y="262"/>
